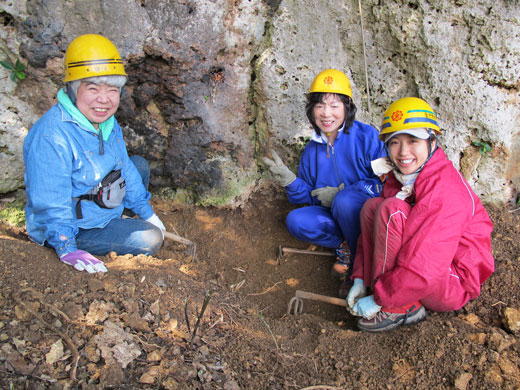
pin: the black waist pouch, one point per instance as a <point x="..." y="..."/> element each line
<point x="108" y="194"/>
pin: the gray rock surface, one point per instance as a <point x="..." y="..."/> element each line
<point x="213" y="85"/>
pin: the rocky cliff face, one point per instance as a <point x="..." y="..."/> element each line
<point x="213" y="85"/>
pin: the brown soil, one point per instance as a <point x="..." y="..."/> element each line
<point x="127" y="329"/>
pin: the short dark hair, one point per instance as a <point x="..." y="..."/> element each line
<point x="317" y="97"/>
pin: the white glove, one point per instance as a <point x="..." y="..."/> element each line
<point x="154" y="220"/>
<point x="84" y="261"/>
<point x="327" y="194"/>
<point x="357" y="291"/>
<point x="366" y="307"/>
<point x="279" y="170"/>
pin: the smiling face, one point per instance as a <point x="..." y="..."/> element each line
<point x="408" y="153"/>
<point x="97" y="102"/>
<point x="329" y="114"/>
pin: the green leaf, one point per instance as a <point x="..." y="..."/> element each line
<point x="20" y="75"/>
<point x="19" y="67"/>
<point x="13" y="76"/>
<point x="7" y="65"/>
<point x="484" y="147"/>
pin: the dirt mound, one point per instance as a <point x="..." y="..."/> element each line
<point x="140" y="325"/>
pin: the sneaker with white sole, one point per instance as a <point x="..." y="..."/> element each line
<point x="388" y="319"/>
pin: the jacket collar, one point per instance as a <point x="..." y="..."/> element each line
<point x="322" y="139"/>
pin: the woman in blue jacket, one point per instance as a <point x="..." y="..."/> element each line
<point x="335" y="177"/>
<point x="78" y="176"/>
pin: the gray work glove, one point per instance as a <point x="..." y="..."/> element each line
<point x="326" y="194"/>
<point x="279" y="170"/>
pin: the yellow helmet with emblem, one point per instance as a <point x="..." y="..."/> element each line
<point x="92" y="55"/>
<point x="408" y="113"/>
<point x="331" y="81"/>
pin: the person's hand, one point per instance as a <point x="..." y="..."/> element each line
<point x="356" y="292"/>
<point x="279" y="170"/>
<point x="366" y="307"/>
<point x="154" y="220"/>
<point x="84" y="261"/>
<point x="326" y="194"/>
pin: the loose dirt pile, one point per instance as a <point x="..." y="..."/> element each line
<point x="139" y="325"/>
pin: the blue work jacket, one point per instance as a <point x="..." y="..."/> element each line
<point x="62" y="162"/>
<point x="348" y="162"/>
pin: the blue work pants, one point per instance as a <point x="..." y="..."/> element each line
<point x="329" y="227"/>
<point x="123" y="235"/>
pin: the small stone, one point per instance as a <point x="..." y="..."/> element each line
<point x="154" y="308"/>
<point x="170" y="384"/>
<point x="24" y="315"/>
<point x="508" y="368"/>
<point x="471" y="319"/>
<point x="150" y="376"/>
<point x="461" y="383"/>
<point x="56" y="352"/>
<point x="494" y="375"/>
<point x="98" y="312"/>
<point x="204" y="350"/>
<point x="93" y="354"/>
<point x="154" y="356"/>
<point x="479" y="338"/>
<point x="149" y="317"/>
<point x="511" y="320"/>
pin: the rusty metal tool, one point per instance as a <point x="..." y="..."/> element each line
<point x="296" y="303"/>
<point x="182" y="240"/>
<point x="282" y="250"/>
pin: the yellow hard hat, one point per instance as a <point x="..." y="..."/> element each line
<point x="92" y="55"/>
<point x="331" y="81"/>
<point x="408" y="113"/>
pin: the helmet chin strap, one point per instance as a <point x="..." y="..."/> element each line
<point x="70" y="92"/>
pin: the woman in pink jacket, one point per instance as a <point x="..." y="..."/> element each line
<point x="426" y="241"/>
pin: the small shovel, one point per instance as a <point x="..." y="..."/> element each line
<point x="296" y="303"/>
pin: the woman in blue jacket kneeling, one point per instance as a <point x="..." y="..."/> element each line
<point x="335" y="177"/>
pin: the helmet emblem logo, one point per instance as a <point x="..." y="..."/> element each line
<point x="328" y="80"/>
<point x="397" y="115"/>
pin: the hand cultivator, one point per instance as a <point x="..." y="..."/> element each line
<point x="296" y="303"/>
<point x="182" y="240"/>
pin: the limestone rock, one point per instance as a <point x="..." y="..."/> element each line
<point x="511" y="320"/>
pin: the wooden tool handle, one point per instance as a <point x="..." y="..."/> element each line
<point x="306" y="251"/>
<point x="321" y="298"/>
<point x="177" y="238"/>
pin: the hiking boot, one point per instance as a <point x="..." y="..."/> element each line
<point x="342" y="265"/>
<point x="388" y="319"/>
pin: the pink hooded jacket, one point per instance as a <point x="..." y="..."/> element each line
<point x="448" y="227"/>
